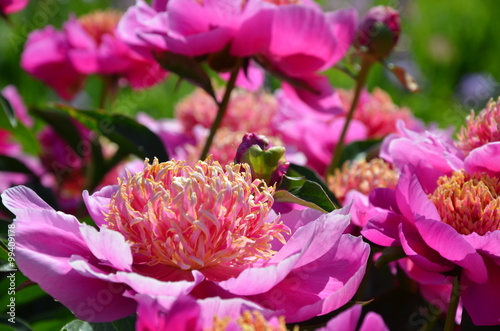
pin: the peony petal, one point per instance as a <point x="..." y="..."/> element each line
<point x="45" y="242"/>
<point x="97" y="203"/>
<point x="484" y="159"/>
<point x="482" y="300"/>
<point x="108" y="246"/>
<point x="253" y="281"/>
<point x="452" y="246"/>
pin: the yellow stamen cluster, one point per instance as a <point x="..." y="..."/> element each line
<point x="362" y="176"/>
<point x="195" y="217"/>
<point x="250" y="321"/>
<point x="469" y="203"/>
<point x="99" y="23"/>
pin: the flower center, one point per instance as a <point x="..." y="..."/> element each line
<point x="195" y="217"/>
<point x="480" y="130"/>
<point x="469" y="203"/>
<point x="251" y="321"/>
<point x="100" y="23"/>
<point x="362" y="176"/>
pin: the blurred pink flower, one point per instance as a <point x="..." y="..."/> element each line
<point x="87" y="45"/>
<point x="12" y="6"/>
<point x="312" y="132"/>
<point x="379" y="114"/>
<point x="299" y="265"/>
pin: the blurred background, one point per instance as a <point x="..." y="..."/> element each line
<point x="450" y="47"/>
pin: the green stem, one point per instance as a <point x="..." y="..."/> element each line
<point x="452" y="307"/>
<point x="360" y="83"/>
<point x="221" y="111"/>
<point x="109" y="90"/>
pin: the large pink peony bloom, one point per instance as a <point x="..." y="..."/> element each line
<point x="88" y="45"/>
<point x="173" y="230"/>
<point x="12" y="6"/>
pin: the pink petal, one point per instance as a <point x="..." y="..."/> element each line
<point x="45" y="242"/>
<point x="484" y="159"/>
<point x="97" y="203"/>
<point x="108" y="246"/>
<point x="452" y="246"/>
<point x="482" y="300"/>
<point x="343" y="26"/>
<point x="345" y="321"/>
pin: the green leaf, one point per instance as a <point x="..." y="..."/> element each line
<point x="187" y="68"/>
<point x="11" y="164"/>
<point x="285" y="196"/>
<point x="77" y="325"/>
<point x="356" y="148"/>
<point x="8" y="112"/>
<point x="313" y="192"/>
<point x="63" y="126"/>
<point x="19" y="324"/>
<point x="131" y="136"/>
<point x="311" y="175"/>
<point x="124" y="324"/>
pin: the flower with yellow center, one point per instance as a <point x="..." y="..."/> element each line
<point x="470" y="203"/>
<point x="250" y="321"/>
<point x="362" y="176"/>
<point x="195" y="217"/>
<point x="481" y="129"/>
<point x="100" y="23"/>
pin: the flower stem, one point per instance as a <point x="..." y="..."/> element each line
<point x="366" y="65"/>
<point x="109" y="90"/>
<point x="452" y="307"/>
<point x="222" y="110"/>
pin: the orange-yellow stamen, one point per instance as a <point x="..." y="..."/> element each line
<point x="250" y="321"/>
<point x="469" y="203"/>
<point x="195" y="217"/>
<point x="362" y="176"/>
<point x="99" y="23"/>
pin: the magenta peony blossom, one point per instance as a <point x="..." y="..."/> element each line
<point x="205" y="230"/>
<point x="12" y="6"/>
<point x="188" y="314"/>
<point x="88" y="45"/>
<point x="349" y="320"/>
<point x="450" y="228"/>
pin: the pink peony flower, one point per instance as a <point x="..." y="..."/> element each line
<point x="349" y="320"/>
<point x="188" y="314"/>
<point x="86" y="46"/>
<point x="12" y="6"/>
<point x="173" y="230"/>
<point x="319" y="39"/>
<point x="450" y="229"/>
<point x="481" y="129"/>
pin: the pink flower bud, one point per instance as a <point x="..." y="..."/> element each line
<point x="379" y="31"/>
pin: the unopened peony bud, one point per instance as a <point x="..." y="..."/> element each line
<point x="379" y="31"/>
<point x="265" y="163"/>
